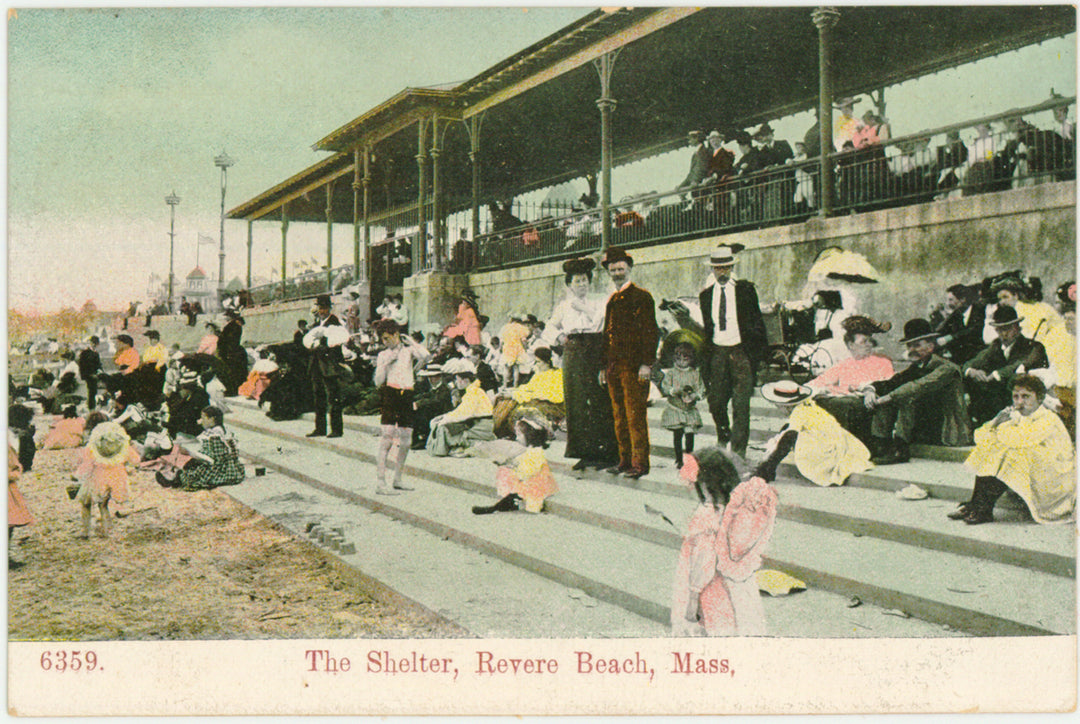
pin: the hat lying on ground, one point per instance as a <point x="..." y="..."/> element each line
<point x="785" y="392"/>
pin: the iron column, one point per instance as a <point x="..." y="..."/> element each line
<point x="172" y="200"/>
<point x="223" y="162"/>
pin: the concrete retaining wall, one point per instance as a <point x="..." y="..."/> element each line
<point x="920" y="250"/>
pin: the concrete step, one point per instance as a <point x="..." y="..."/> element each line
<point x="1047" y="548"/>
<point x="951" y="483"/>
<point x="890" y="586"/>
<point x="599" y="571"/>
<point x="499" y="600"/>
<point x="766" y="419"/>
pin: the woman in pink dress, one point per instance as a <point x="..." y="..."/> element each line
<point x="466" y="324"/>
<point x="716" y="591"/>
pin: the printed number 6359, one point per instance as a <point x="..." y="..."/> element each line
<point x="61" y="661"/>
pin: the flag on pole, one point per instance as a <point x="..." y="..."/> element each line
<point x="206" y="239"/>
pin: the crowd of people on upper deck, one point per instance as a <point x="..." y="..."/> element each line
<point x="741" y="179"/>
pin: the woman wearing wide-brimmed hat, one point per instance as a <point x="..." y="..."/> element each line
<point x="466" y="324"/>
<point x="103" y="473"/>
<point x="823" y="451"/>
<point x="575" y="324"/>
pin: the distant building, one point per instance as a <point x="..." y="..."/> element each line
<point x="200" y="288"/>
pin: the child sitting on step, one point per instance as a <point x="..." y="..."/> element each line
<point x="216" y="463"/>
<point x="682" y="387"/>
<point x="524" y="477"/>
<point x="716" y="591"/>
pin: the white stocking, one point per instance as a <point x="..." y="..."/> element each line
<point x="385" y="442"/>
<point x="404" y="441"/>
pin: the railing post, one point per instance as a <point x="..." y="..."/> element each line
<point x="364" y="272"/>
<point x="824" y="19"/>
<point x="473" y="127"/>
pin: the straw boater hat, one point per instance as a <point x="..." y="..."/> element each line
<point x="616" y="254"/>
<point x="109" y="444"/>
<point x="1005" y="316"/>
<point x="724" y="255"/>
<point x="916" y="329"/>
<point x="785" y="392"/>
<point x="433" y="370"/>
<point x="459" y="366"/>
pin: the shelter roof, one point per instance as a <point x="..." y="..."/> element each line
<point x="678" y="69"/>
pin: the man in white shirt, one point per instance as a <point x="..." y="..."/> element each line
<point x="735" y="343"/>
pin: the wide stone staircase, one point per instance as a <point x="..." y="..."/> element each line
<point x="600" y="561"/>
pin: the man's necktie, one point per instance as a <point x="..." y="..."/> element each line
<point x="722" y="321"/>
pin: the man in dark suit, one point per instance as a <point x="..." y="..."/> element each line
<point x="89" y="367"/>
<point x="926" y="398"/>
<point x="736" y="343"/>
<point x="327" y="367"/>
<point x="960" y="324"/>
<point x="988" y="375"/>
<point x="627" y="354"/>
<point x="772" y="152"/>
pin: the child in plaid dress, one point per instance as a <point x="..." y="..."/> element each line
<point x="217" y="462"/>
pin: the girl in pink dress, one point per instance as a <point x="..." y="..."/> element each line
<point x="103" y="472"/>
<point x="716" y="591"/>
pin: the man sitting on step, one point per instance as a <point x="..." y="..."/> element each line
<point x="925" y="400"/>
<point x="988" y="375"/>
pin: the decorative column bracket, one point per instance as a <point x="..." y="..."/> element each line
<point x="604" y="66"/>
<point x="329" y="237"/>
<point x="825" y="18"/>
<point x="419" y="251"/>
<point x="472" y="127"/>
<point x="284" y="247"/>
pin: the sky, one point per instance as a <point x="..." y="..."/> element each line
<point x="111" y="110"/>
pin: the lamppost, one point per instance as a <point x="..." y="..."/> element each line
<point x="172" y="200"/>
<point x="223" y="162"/>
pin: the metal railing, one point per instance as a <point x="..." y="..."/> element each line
<point x="913" y="169"/>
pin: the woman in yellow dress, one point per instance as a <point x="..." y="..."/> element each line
<point x="824" y="452"/>
<point x="1025" y="448"/>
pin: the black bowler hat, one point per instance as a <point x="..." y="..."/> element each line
<point x="1005" y="316"/>
<point x="322" y="301"/>
<point x="616" y="254"/>
<point x="916" y="329"/>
